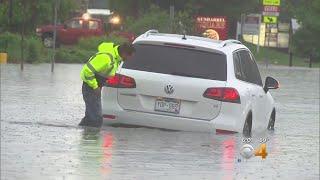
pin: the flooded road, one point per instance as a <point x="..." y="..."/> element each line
<point x="40" y="138"/>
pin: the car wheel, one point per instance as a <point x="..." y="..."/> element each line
<point x="272" y="121"/>
<point x="247" y="127"/>
<point x="48" y="41"/>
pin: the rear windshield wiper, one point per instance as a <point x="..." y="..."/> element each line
<point x="186" y="75"/>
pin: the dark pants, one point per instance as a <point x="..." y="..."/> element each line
<point x="93" y="115"/>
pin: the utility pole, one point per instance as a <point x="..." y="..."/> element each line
<point x="289" y="44"/>
<point x="171" y="15"/>
<point x="310" y="61"/>
<point x="22" y="36"/>
<point x="258" y="44"/>
<point x="242" y="24"/>
<point x="10" y="15"/>
<point x="311" y="57"/>
<point x="54" y="34"/>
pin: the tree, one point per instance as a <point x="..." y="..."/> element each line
<point x="185" y="10"/>
<point x="37" y="12"/>
<point x="305" y="41"/>
<point x="130" y="8"/>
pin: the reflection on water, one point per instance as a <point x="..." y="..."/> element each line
<point x="40" y="138"/>
<point x="107" y="153"/>
<point x="228" y="158"/>
<point x="95" y="152"/>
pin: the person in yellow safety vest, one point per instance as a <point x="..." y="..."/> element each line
<point x="94" y="75"/>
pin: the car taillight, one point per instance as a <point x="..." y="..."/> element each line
<point x="121" y="81"/>
<point x="223" y="94"/>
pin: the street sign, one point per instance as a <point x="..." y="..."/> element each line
<point x="270" y="13"/>
<point x="251" y="24"/>
<point x="271" y="8"/>
<point x="271" y="2"/>
<point x="270" y="19"/>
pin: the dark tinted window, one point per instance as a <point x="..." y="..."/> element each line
<point x="237" y="66"/>
<point x="255" y="69"/>
<point x="178" y="61"/>
<point x="93" y="25"/>
<point x="75" y="24"/>
<point x="249" y="68"/>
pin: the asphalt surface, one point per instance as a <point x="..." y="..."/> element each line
<point x="40" y="138"/>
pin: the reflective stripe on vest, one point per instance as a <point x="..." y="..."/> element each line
<point x="94" y="70"/>
<point x="90" y="78"/>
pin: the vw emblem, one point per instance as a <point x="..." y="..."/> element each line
<point x="169" y="89"/>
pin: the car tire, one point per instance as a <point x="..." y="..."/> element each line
<point x="247" y="127"/>
<point x="272" y="121"/>
<point x="47" y="41"/>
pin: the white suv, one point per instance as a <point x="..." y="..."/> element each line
<point x="189" y="83"/>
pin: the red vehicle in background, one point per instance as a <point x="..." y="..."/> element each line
<point x="74" y="29"/>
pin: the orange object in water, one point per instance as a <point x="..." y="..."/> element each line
<point x="3" y="58"/>
<point x="261" y="151"/>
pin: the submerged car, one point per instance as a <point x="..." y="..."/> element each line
<point x="189" y="83"/>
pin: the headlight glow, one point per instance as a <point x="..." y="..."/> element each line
<point x="115" y="20"/>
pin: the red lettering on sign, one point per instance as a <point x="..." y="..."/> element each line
<point x="271" y="9"/>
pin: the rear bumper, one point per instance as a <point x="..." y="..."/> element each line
<point x="226" y="120"/>
<point x="222" y="122"/>
<point x="170" y="122"/>
<point x="159" y="121"/>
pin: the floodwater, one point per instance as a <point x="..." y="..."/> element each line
<point x="40" y="138"/>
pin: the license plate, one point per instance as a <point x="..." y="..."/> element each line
<point x="167" y="105"/>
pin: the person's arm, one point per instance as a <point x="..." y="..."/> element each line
<point x="89" y="77"/>
<point x="98" y="63"/>
<point x="114" y="69"/>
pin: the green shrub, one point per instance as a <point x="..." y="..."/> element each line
<point x="72" y="55"/>
<point x="304" y="44"/>
<point x="85" y="48"/>
<point x="91" y="43"/>
<point x="154" y="18"/>
<point x="35" y="52"/>
<point x="34" y="47"/>
<point x="183" y="21"/>
<point x="6" y="39"/>
<point x="11" y="43"/>
<point x="276" y="56"/>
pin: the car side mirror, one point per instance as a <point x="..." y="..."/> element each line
<point x="65" y="26"/>
<point x="270" y="83"/>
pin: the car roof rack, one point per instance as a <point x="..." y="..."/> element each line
<point x="229" y="41"/>
<point x="151" y="31"/>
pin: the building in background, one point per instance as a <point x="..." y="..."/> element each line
<point x="269" y="31"/>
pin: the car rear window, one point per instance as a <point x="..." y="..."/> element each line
<point x="178" y="61"/>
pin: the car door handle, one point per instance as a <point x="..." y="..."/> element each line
<point x="253" y="95"/>
<point x="260" y="96"/>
